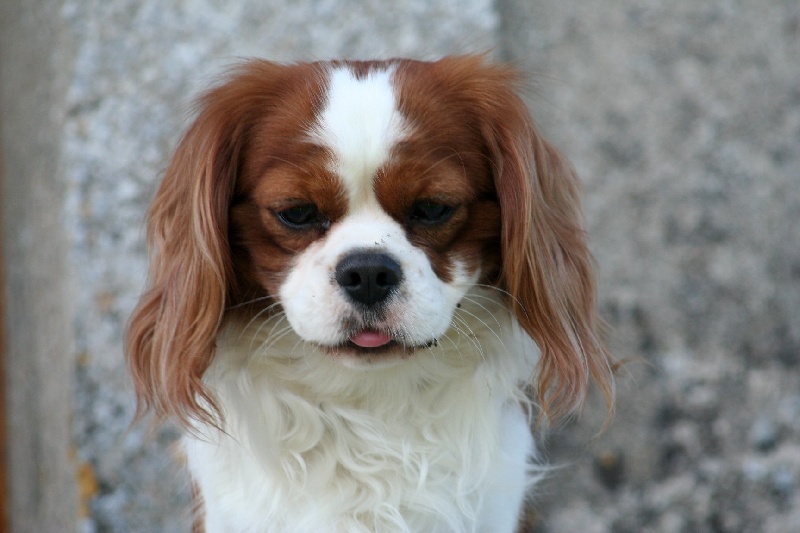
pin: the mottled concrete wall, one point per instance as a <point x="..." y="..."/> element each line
<point x="34" y="72"/>
<point x="683" y="118"/>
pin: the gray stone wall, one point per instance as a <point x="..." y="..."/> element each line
<point x="38" y="293"/>
<point x="683" y="118"/>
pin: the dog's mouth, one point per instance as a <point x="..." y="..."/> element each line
<point x="371" y="339"/>
<point x="374" y="342"/>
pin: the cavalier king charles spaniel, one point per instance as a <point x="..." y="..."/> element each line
<point x="367" y="279"/>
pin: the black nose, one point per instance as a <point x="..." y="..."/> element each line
<point x="368" y="278"/>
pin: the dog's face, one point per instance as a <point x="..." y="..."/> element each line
<point x="363" y="199"/>
<point x="378" y="215"/>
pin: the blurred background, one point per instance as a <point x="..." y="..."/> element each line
<point x="682" y="118"/>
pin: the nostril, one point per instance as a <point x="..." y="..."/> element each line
<point x="385" y="279"/>
<point x="368" y="277"/>
<point x="350" y="279"/>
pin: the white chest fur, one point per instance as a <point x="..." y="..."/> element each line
<point x="433" y="443"/>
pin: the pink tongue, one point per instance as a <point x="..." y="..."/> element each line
<point x="370" y="339"/>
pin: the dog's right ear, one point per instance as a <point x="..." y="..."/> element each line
<point x="170" y="338"/>
<point x="547" y="269"/>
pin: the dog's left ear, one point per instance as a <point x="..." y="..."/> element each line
<point x="171" y="335"/>
<point x="546" y="265"/>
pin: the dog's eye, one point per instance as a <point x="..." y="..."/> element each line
<point x="301" y="216"/>
<point x="428" y="212"/>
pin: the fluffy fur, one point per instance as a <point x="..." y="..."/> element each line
<point x="358" y="271"/>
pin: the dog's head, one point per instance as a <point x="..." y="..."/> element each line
<point x="363" y="200"/>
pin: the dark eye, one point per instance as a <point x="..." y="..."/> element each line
<point x="301" y="216"/>
<point x="430" y="213"/>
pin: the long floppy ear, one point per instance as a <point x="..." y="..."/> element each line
<point x="170" y="338"/>
<point x="546" y="265"/>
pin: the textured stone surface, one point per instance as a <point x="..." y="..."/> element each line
<point x="683" y="118"/>
<point x="37" y="352"/>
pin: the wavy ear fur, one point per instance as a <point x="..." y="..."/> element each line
<point x="546" y="265"/>
<point x="171" y="335"/>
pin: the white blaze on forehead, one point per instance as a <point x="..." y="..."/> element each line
<point x="359" y="123"/>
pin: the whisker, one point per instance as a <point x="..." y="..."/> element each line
<point x="294" y="348"/>
<point x="478" y="296"/>
<point x="271" y="340"/>
<point x="455" y="345"/>
<point x="252" y="320"/>
<point x="266" y="345"/>
<point x="282" y="317"/>
<point x="277" y="316"/>
<point x="472" y="301"/>
<point x="469" y="333"/>
<point x="249" y="302"/>
<point x="476" y="317"/>
<point x="504" y="292"/>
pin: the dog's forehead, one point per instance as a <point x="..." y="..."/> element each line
<point x="359" y="124"/>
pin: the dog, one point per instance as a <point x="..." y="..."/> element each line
<point x="367" y="280"/>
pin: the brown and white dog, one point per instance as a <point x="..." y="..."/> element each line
<point x="358" y="271"/>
